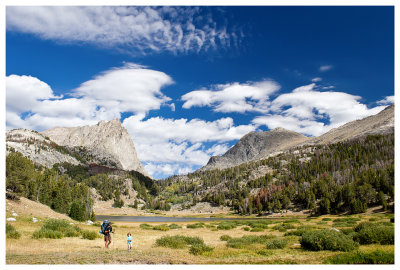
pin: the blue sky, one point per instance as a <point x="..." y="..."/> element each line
<point x="188" y="82"/>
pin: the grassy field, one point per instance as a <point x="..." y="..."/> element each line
<point x="76" y="250"/>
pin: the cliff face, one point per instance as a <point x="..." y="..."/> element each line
<point x="107" y="142"/>
<point x="256" y="145"/>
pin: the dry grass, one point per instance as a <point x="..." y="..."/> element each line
<point x="80" y="251"/>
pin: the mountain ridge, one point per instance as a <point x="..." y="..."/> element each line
<point x="380" y="123"/>
<point x="256" y="145"/>
<point x="106" y="141"/>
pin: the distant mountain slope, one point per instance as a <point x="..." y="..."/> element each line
<point x="256" y="145"/>
<point x="37" y="148"/>
<point x="381" y="123"/>
<point x="259" y="145"/>
<point x="108" y="142"/>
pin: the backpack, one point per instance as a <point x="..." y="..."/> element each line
<point x="104" y="226"/>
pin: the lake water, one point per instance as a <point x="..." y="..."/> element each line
<point x="166" y="219"/>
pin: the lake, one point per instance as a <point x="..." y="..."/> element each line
<point x="166" y="219"/>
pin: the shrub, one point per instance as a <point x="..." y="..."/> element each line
<point x="162" y="227"/>
<point x="347" y="231"/>
<point x="225" y="237"/>
<point x="46" y="233"/>
<point x="283" y="227"/>
<point x="277" y="244"/>
<point x="246" y="228"/>
<point x="300" y="230"/>
<point x="11" y="232"/>
<point x="145" y="226"/>
<point x="60" y="225"/>
<point x="199" y="249"/>
<point x="56" y="229"/>
<point x="358" y="257"/>
<point x="248" y="240"/>
<point x="174" y="226"/>
<point x="327" y="240"/>
<point x="264" y="252"/>
<point x="259" y="224"/>
<point x="90" y="235"/>
<point x="326" y="219"/>
<point x="226" y="226"/>
<point x="257" y="229"/>
<point x="350" y="220"/>
<point x="195" y="225"/>
<point x="293" y="220"/>
<point x="374" y="233"/>
<point x="178" y="241"/>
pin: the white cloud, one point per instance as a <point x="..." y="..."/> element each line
<point x="234" y="97"/>
<point x="32" y="104"/>
<point x="158" y="129"/>
<point x="159" y="171"/>
<point x="160" y="142"/>
<point x="290" y="122"/>
<point x="386" y="101"/>
<point x="25" y="92"/>
<point x="316" y="79"/>
<point x="131" y="88"/>
<point x="217" y="149"/>
<point x="312" y="112"/>
<point x="136" y="29"/>
<point x="325" y="68"/>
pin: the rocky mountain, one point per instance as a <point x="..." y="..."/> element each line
<point x="37" y="148"/>
<point x="108" y="143"/>
<point x="381" y="123"/>
<point x="260" y="145"/>
<point x="256" y="145"/>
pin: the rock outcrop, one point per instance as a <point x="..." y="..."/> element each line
<point x="256" y="145"/>
<point x="109" y="143"/>
<point x="36" y="147"/>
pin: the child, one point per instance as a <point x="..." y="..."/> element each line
<point x="129" y="238"/>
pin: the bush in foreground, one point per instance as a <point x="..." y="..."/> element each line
<point x="45" y="233"/>
<point x="225" y="237"/>
<point x="145" y="226"/>
<point x="195" y="225"/>
<point x="277" y="244"/>
<point x="200" y="249"/>
<point x="162" y="227"/>
<point x="374" y="233"/>
<point x="300" y="230"/>
<point x="247" y="240"/>
<point x="90" y="235"/>
<point x="11" y="232"/>
<point x="358" y="257"/>
<point x="178" y="241"/>
<point x="57" y="229"/>
<point x="174" y="226"/>
<point x="327" y="240"/>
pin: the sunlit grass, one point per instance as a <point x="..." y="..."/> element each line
<point x="81" y="251"/>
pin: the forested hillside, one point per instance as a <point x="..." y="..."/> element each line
<point x="66" y="188"/>
<point x="341" y="177"/>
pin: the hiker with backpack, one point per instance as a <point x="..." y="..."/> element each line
<point x="106" y="229"/>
